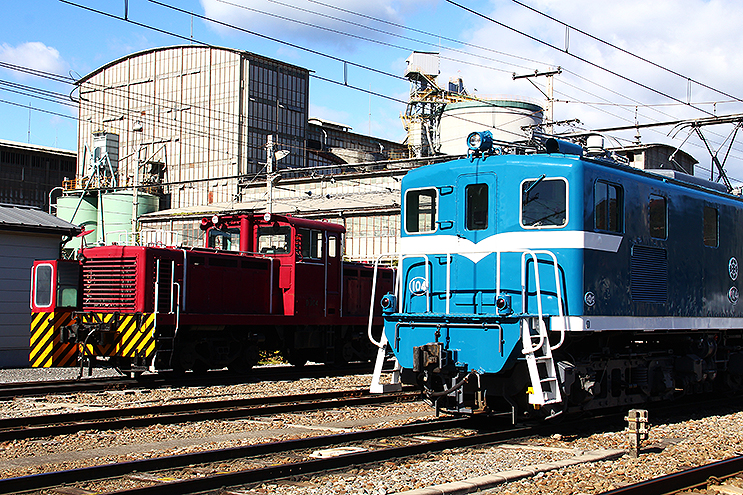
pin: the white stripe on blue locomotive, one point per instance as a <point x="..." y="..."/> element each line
<point x="510" y="241"/>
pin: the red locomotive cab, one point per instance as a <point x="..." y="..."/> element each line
<point x="306" y="257"/>
<point x="55" y="294"/>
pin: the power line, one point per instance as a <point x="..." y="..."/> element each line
<point x="595" y="38"/>
<point x="584" y="60"/>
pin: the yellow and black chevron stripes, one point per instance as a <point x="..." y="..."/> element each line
<point x="46" y="350"/>
<point x="134" y="335"/>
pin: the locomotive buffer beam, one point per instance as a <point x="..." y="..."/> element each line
<point x="94" y="332"/>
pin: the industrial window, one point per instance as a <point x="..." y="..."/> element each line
<point x="476" y="206"/>
<point x="420" y="211"/>
<point x="609" y="207"/>
<point x="657" y="217"/>
<point x="544" y="202"/>
<point x="711" y="230"/>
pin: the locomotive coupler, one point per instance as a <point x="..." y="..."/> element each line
<point x="89" y="333"/>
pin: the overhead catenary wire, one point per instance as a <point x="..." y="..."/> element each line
<point x="582" y="59"/>
<point x="324" y="79"/>
<point x="627" y="52"/>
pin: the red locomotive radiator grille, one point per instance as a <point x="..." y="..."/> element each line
<point x="109" y="284"/>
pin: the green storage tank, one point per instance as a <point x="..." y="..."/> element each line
<point x="84" y="215"/>
<point x="117" y="213"/>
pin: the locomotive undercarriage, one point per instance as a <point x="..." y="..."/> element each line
<point x="104" y="337"/>
<point x="595" y="371"/>
<point x="238" y="349"/>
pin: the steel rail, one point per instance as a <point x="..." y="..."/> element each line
<point x="215" y="377"/>
<point x="682" y="480"/>
<point x="52" y="479"/>
<point x="108" y="419"/>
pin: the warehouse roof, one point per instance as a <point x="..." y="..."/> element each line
<point x="22" y="218"/>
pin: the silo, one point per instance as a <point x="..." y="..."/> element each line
<point x="84" y="215"/>
<point x="117" y="214"/>
<point x="504" y="118"/>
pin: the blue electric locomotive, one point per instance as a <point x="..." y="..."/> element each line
<point x="562" y="281"/>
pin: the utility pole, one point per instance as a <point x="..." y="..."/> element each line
<point x="550" y="107"/>
<point x="269" y="173"/>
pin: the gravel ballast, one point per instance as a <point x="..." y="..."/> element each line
<point x="581" y="464"/>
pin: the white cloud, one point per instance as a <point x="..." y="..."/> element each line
<point x="696" y="38"/>
<point x="34" y="55"/>
<point x="312" y="20"/>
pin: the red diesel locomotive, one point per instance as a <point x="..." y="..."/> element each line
<point x="262" y="282"/>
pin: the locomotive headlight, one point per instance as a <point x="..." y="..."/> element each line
<point x="503" y="303"/>
<point x="388" y="303"/>
<point x="215" y="219"/>
<point x="480" y="141"/>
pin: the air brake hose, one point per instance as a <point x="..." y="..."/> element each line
<point x="454" y="387"/>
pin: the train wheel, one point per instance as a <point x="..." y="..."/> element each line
<point x="346" y="353"/>
<point x="295" y="357"/>
<point x="245" y="360"/>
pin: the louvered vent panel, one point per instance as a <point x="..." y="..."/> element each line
<point x="649" y="274"/>
<point x="165" y="288"/>
<point x="109" y="284"/>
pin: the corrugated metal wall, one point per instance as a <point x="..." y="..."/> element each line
<point x="205" y="112"/>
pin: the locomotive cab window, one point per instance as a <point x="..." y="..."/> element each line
<point x="311" y="243"/>
<point x="226" y="240"/>
<point x="332" y="246"/>
<point x="43" y="285"/>
<point x="544" y="203"/>
<point x="476" y="206"/>
<point x="711" y="229"/>
<point x="657" y="216"/>
<point x="68" y="278"/>
<point x="420" y="211"/>
<point x="608" y="207"/>
<point x="274" y="239"/>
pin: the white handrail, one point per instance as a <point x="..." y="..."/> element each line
<point x="533" y="254"/>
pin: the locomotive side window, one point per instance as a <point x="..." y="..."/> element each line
<point x="43" y="286"/>
<point x="226" y="240"/>
<point x="711" y="232"/>
<point x="68" y="278"/>
<point x="332" y="246"/>
<point x="476" y="206"/>
<point x="609" y="207"/>
<point x="311" y="242"/>
<point x="657" y="215"/>
<point x="274" y="239"/>
<point x="544" y="202"/>
<point x="420" y="210"/>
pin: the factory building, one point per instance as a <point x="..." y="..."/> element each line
<point x="195" y="116"/>
<point x="170" y="135"/>
<point x="169" y="131"/>
<point x="29" y="173"/>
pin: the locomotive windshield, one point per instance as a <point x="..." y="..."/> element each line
<point x="226" y="240"/>
<point x="544" y="202"/>
<point x="420" y="210"/>
<point x="274" y="239"/>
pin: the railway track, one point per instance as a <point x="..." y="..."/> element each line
<point x="716" y="477"/>
<point x="108" y="419"/>
<point x="216" y="377"/>
<point x="167" y="475"/>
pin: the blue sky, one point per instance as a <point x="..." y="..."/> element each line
<point x="700" y="41"/>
